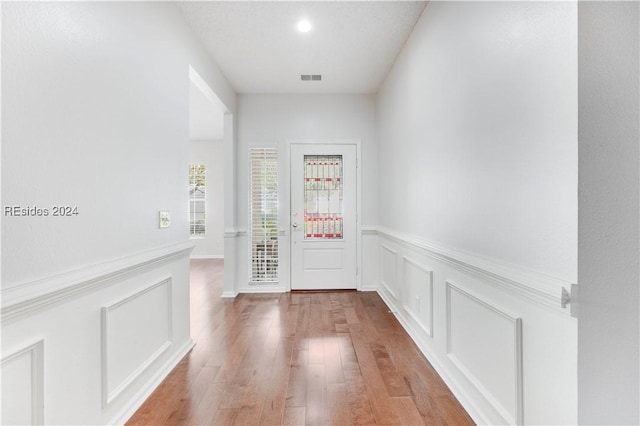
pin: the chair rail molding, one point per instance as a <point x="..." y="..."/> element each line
<point x="231" y="232"/>
<point x="533" y="285"/>
<point x="37" y="295"/>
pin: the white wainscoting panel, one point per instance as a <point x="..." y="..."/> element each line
<point x="35" y="296"/>
<point x="389" y="270"/>
<point x="22" y="386"/>
<point x="136" y="331"/>
<point x="486" y="345"/>
<point x="112" y="331"/>
<point x="467" y="314"/>
<point x="417" y="293"/>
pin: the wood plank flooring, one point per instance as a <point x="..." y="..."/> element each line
<point x="312" y="358"/>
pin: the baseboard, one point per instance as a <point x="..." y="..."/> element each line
<point x="206" y="256"/>
<point x="368" y="287"/>
<point x="458" y="391"/>
<point x="144" y="393"/>
<point x="261" y="289"/>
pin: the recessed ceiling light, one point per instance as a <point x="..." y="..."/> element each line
<point x="304" y="26"/>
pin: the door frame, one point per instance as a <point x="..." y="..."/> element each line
<point x="285" y="217"/>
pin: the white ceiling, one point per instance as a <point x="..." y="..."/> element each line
<point x="257" y="46"/>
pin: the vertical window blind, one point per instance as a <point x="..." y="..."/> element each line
<point x="263" y="214"/>
<point x="197" y="200"/>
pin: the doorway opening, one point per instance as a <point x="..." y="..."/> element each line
<point x="206" y="169"/>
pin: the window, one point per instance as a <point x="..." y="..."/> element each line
<point x="197" y="200"/>
<point x="323" y="210"/>
<point x="263" y="214"/>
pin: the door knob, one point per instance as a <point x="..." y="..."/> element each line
<point x="295" y="225"/>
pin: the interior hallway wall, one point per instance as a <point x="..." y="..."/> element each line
<point x="95" y="114"/>
<point x="609" y="218"/>
<point x="478" y="172"/>
<point x="477" y="128"/>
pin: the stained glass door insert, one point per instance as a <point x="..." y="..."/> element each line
<point x="323" y="203"/>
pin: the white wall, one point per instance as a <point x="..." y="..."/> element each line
<point x="95" y="108"/>
<point x="609" y="225"/>
<point x="477" y="136"/>
<point x="99" y="118"/>
<point x="477" y="127"/>
<point x="272" y="120"/>
<point x="211" y="154"/>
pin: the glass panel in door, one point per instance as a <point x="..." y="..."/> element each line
<point x="323" y="197"/>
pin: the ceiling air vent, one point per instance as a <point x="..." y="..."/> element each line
<point x="310" y="77"/>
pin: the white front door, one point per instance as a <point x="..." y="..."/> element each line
<point x="323" y="216"/>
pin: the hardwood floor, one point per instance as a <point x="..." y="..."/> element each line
<point x="297" y="358"/>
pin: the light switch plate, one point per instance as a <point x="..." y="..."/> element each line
<point x="164" y="219"/>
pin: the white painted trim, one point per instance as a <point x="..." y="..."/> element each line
<point x="460" y="392"/>
<point x="263" y="288"/>
<point x="235" y="232"/>
<point x="230" y="233"/>
<point x="517" y="340"/>
<point x="369" y="231"/>
<point x="369" y="287"/>
<point x="36" y="352"/>
<point x="230" y="194"/>
<point x="228" y="294"/>
<point x="535" y="286"/>
<point x="141" y="396"/>
<point x="358" y="213"/>
<point x="429" y="272"/>
<point x="382" y="281"/>
<point x="38" y="295"/>
<point x="109" y="394"/>
<point x="206" y="256"/>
